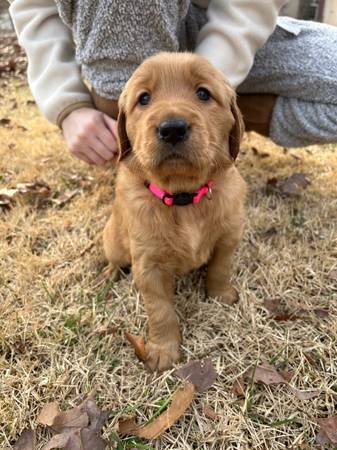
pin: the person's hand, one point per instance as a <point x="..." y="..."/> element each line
<point x="91" y="135"/>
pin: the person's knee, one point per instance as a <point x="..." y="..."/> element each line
<point x="296" y="123"/>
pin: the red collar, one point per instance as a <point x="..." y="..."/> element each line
<point x="181" y="198"/>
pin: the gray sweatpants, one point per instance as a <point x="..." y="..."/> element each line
<point x="299" y="63"/>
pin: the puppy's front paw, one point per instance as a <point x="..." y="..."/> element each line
<point x="161" y="357"/>
<point x="228" y="295"/>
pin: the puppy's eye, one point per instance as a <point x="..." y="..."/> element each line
<point x="203" y="94"/>
<point x="144" y="99"/>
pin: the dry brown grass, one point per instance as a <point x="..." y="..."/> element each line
<point x="49" y="308"/>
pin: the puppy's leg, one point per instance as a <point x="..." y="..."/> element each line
<point x="157" y="288"/>
<point x="219" y="272"/>
<point x="114" y="239"/>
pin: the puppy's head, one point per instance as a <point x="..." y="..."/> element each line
<point x="178" y="120"/>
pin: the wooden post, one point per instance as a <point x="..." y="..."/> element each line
<point x="330" y="12"/>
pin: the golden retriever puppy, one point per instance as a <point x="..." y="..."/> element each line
<point x="179" y="198"/>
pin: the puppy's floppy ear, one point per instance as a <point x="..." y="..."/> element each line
<point x="237" y="131"/>
<point x="124" y="145"/>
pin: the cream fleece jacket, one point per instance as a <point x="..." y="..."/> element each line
<point x="235" y="30"/>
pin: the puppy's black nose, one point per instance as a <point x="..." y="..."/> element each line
<point x="173" y="131"/>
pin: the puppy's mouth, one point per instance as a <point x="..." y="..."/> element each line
<point x="174" y="156"/>
<point x="173" y="159"/>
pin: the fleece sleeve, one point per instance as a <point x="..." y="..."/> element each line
<point x="235" y="30"/>
<point x="53" y="75"/>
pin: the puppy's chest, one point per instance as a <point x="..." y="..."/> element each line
<point x="192" y="241"/>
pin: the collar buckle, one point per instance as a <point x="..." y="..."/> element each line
<point x="183" y="198"/>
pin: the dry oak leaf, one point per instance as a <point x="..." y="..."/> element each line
<point x="138" y="343"/>
<point x="36" y="190"/>
<point x="26" y="440"/>
<point x="65" y="197"/>
<point x="238" y="388"/>
<point x="328" y="431"/>
<point x="126" y="424"/>
<point x="36" y="187"/>
<point x="78" y="428"/>
<point x="266" y="374"/>
<point x="48" y="414"/>
<point x="103" y="330"/>
<point x="292" y="185"/>
<point x="209" y="412"/>
<point x="200" y="373"/>
<point x="61" y="421"/>
<point x="305" y="395"/>
<point x="97" y="417"/>
<point x="84" y="439"/>
<point x="181" y="400"/>
<point x="279" y="313"/>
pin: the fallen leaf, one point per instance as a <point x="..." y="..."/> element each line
<point x="5" y="121"/>
<point x="65" y="197"/>
<point x="5" y="201"/>
<point x="104" y="330"/>
<point x="97" y="417"/>
<point x="328" y="430"/>
<point x="36" y="187"/>
<point x="266" y="374"/>
<point x="80" y="180"/>
<point x="38" y="190"/>
<point x="272" y="304"/>
<point x="77" y="428"/>
<point x="48" y="414"/>
<point x="26" y="440"/>
<point x="321" y="313"/>
<point x="181" y="400"/>
<point x="209" y="412"/>
<point x="333" y="275"/>
<point x="238" y="388"/>
<point x="72" y="418"/>
<point x="305" y="395"/>
<point x="297" y="157"/>
<point x="292" y="185"/>
<point x="200" y="373"/>
<point x="138" y="343"/>
<point x="321" y="438"/>
<point x="58" y="441"/>
<point x="126" y="425"/>
<point x="286" y="375"/>
<point x="280" y="313"/>
<point x="79" y="440"/>
<point x="259" y="154"/>
<point x="91" y="440"/>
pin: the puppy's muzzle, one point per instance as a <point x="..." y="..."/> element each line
<point x="174" y="130"/>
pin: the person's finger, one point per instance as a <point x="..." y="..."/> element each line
<point x="108" y="139"/>
<point x="101" y="149"/>
<point x="95" y="157"/>
<point x="82" y="157"/>
<point x="111" y="124"/>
